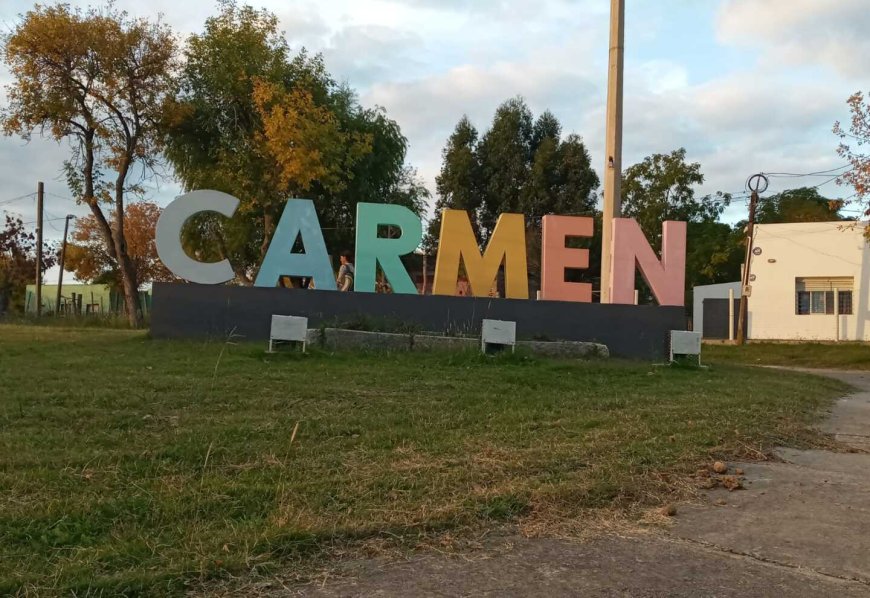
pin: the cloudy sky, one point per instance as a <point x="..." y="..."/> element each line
<point x="744" y="85"/>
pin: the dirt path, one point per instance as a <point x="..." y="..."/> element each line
<point x="801" y="528"/>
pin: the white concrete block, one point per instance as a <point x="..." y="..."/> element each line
<point x="498" y="333"/>
<point x="289" y="329"/>
<point x="685" y="343"/>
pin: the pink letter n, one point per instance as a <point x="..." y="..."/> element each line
<point x="666" y="278"/>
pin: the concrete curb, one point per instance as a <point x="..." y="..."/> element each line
<point x="337" y="339"/>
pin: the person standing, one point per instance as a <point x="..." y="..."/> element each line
<point x="345" y="272"/>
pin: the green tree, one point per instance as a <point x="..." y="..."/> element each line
<point x="459" y="183"/>
<point x="798" y="205"/>
<point x="380" y="176"/>
<point x="714" y="254"/>
<point x="18" y="263"/>
<point x="663" y="187"/>
<point x="547" y="126"/>
<point x="505" y="154"/>
<point x="520" y="165"/>
<point x="253" y="121"/>
<point x="578" y="182"/>
<point x="99" y="80"/>
<point x="540" y="194"/>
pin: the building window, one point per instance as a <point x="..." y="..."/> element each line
<point x="803" y="303"/>
<point x="846" y="303"/>
<point x="817" y="296"/>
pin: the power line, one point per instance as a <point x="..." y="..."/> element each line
<point x="808" y="174"/>
<point x="44" y="220"/>
<point x="19" y="198"/>
<point x="822" y="184"/>
<point x="55" y="195"/>
<point x="831" y="180"/>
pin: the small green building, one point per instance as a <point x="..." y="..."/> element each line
<point x="84" y="299"/>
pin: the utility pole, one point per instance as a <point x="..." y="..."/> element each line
<point x="613" y="145"/>
<point x="62" y="260"/>
<point x="757" y="184"/>
<point x="40" y="201"/>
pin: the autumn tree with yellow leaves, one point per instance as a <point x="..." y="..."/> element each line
<point x="305" y="141"/>
<point x="98" y="80"/>
<point x="253" y="120"/>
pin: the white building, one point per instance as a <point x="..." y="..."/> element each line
<point x="810" y="281"/>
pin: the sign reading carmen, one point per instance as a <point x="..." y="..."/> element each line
<point x="507" y="245"/>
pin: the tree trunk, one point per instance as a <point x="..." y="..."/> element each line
<point x="131" y="287"/>
<point x="92" y="202"/>
<point x="239" y="271"/>
<point x="268" y="233"/>
<point x="125" y="264"/>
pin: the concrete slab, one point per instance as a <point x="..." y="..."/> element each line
<point x="814" y="516"/>
<point x="637" y="567"/>
<point x="812" y="511"/>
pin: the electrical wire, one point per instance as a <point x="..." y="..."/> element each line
<point x="43" y="220"/>
<point x="19" y="198"/>
<point x="831" y="180"/>
<point x="808" y="174"/>
<point x="56" y="196"/>
<point x="52" y="225"/>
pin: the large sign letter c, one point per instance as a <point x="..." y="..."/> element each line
<point x="168" y="236"/>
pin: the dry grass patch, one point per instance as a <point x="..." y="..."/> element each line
<point x="137" y="466"/>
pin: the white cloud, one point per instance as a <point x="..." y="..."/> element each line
<point x="429" y="108"/>
<point x="800" y="32"/>
<point x="22" y="165"/>
<point x="369" y="53"/>
<point x="662" y="76"/>
<point x="428" y="62"/>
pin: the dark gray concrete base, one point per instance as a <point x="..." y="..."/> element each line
<point x="198" y="311"/>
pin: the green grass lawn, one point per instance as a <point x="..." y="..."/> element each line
<point x="133" y="465"/>
<point x="845" y="356"/>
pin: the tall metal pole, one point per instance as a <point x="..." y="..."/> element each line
<point x="744" y="293"/>
<point x="757" y="184"/>
<point x="62" y="261"/>
<point x="40" y="201"/>
<point x="613" y="145"/>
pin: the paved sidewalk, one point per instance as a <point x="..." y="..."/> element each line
<point x="801" y="528"/>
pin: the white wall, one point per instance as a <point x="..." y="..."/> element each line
<point x="712" y="291"/>
<point x="815" y="249"/>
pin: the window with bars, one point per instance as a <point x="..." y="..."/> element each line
<point x="820" y="296"/>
